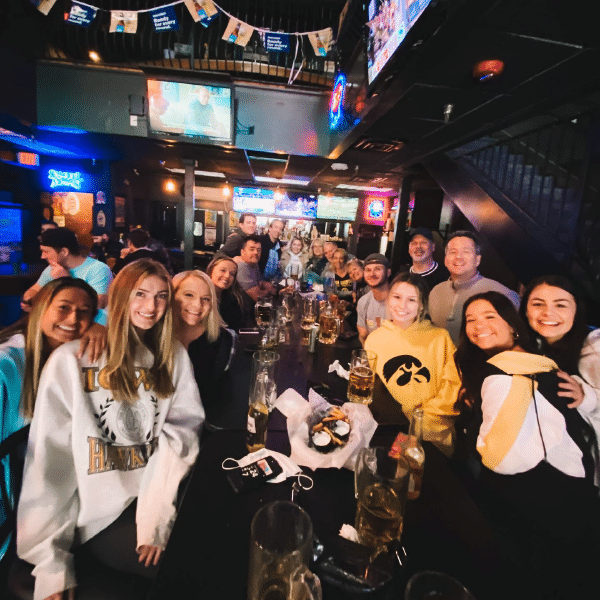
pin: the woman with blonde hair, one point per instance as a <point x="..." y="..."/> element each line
<point x="317" y="261"/>
<point x="122" y="432"/>
<point x="222" y="271"/>
<point x="198" y="328"/>
<point x="62" y="311"/>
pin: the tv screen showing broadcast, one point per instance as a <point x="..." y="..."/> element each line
<point x="254" y="200"/>
<point x="295" y="205"/>
<point x="389" y="22"/>
<point x="202" y="112"/>
<point x="337" y="208"/>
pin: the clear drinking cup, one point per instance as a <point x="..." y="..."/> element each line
<point x="263" y="311"/>
<point x="281" y="540"/>
<point x="361" y="382"/>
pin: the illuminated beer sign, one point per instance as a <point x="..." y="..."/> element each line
<point x="62" y="179"/>
<point x="336" y="105"/>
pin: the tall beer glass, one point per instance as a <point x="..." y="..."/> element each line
<point x="263" y="311"/>
<point x="362" y="376"/>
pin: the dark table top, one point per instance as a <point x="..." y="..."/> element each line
<point x="207" y="553"/>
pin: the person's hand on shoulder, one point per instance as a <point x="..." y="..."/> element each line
<point x="570" y="388"/>
<point x="93" y="342"/>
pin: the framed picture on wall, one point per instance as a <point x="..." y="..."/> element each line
<point x="119" y="211"/>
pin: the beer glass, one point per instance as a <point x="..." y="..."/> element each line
<point x="329" y="326"/>
<point x="287" y="304"/>
<point x="263" y="311"/>
<point x="281" y="540"/>
<point x="381" y="487"/>
<point x="265" y="362"/>
<point x="431" y="584"/>
<point x="362" y="376"/>
<point x="309" y="316"/>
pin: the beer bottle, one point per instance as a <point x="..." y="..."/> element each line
<point x="412" y="450"/>
<point x="258" y="413"/>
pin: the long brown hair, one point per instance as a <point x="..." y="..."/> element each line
<point x="235" y="288"/>
<point x="119" y="373"/>
<point x="37" y="349"/>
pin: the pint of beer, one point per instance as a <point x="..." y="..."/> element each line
<point x="263" y="311"/>
<point x="329" y="328"/>
<point x="362" y="376"/>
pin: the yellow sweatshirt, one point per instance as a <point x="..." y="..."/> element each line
<point x="417" y="367"/>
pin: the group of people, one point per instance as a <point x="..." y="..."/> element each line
<point x="116" y="404"/>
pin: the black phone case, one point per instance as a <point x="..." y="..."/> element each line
<point x="252" y="475"/>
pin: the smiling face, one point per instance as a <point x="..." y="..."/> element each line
<point x="192" y="301"/>
<point x="421" y="249"/>
<point x="223" y="274"/>
<point x="462" y="259"/>
<point x="275" y="229"/>
<point x="296" y="246"/>
<point x="53" y="257"/>
<point x="404" y="304"/>
<point x="551" y="312"/>
<point x="487" y="329"/>
<point x="318" y="250"/>
<point x="250" y="253"/>
<point x="339" y="260"/>
<point x="355" y="272"/>
<point x="67" y="317"/>
<point x="329" y="248"/>
<point x="375" y="275"/>
<point x="148" y="302"/>
<point x="249" y="225"/>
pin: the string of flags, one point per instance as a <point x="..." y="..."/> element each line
<point x="203" y="11"/>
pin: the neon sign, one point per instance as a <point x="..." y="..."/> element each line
<point x="336" y="105"/>
<point x="65" y="179"/>
<point x="376" y="209"/>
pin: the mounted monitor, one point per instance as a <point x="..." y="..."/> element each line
<point x="295" y="205"/>
<point x="254" y="200"/>
<point x="191" y="111"/>
<point x="389" y="22"/>
<point x="337" y="208"/>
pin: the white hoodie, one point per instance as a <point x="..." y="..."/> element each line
<point x="90" y="456"/>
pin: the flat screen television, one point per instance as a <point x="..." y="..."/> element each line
<point x="389" y="22"/>
<point x="337" y="208"/>
<point x="11" y="234"/>
<point x="296" y="205"/>
<point x="196" y="112"/>
<point x="254" y="200"/>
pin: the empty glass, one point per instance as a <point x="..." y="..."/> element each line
<point x="281" y="540"/>
<point x="431" y="584"/>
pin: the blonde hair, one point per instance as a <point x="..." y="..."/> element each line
<point x="119" y="373"/>
<point x="37" y="350"/>
<point x="212" y="321"/>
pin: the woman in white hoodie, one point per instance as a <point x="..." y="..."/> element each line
<point x="110" y="441"/>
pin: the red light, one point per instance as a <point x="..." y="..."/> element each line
<point x="28" y="158"/>
<point x="488" y="69"/>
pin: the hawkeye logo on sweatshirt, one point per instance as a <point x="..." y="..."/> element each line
<point x="410" y="368"/>
<point x="106" y="457"/>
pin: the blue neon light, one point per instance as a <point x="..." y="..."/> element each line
<point x="336" y="106"/>
<point x="376" y="209"/>
<point x="65" y="179"/>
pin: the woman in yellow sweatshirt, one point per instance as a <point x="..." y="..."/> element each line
<point x="415" y="360"/>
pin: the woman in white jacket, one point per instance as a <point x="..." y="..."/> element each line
<point x="110" y="441"/>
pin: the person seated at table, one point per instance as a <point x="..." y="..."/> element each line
<point x="356" y="272"/>
<point x="249" y="276"/>
<point x="343" y="281"/>
<point x="62" y="311"/>
<point x="317" y="261"/>
<point x="372" y="307"/>
<point x="293" y="257"/>
<point x="415" y="360"/>
<point x="222" y="271"/>
<point x="197" y="326"/>
<point x="110" y="442"/>
<point x="528" y="425"/>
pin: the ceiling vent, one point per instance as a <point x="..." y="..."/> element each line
<point x="373" y="145"/>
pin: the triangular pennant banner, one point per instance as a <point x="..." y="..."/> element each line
<point x="202" y="10"/>
<point x="80" y="14"/>
<point x="321" y="41"/>
<point x="123" y="21"/>
<point x="238" y="32"/>
<point x="164" y="19"/>
<point x="43" y="6"/>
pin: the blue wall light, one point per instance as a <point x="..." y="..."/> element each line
<point x="66" y="179"/>
<point x="336" y="104"/>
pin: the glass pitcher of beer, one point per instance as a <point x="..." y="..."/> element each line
<point x="329" y="325"/>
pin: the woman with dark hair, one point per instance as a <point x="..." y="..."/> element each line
<point x="222" y="271"/>
<point x="62" y="311"/>
<point x="535" y="447"/>
<point x="415" y="360"/>
<point x="110" y="442"/>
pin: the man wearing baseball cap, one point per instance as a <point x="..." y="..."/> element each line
<point x="421" y="247"/>
<point x="371" y="308"/>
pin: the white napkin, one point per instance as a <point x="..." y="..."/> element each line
<point x="335" y="366"/>
<point x="297" y="411"/>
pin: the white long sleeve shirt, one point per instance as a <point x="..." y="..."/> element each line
<point x="89" y="456"/>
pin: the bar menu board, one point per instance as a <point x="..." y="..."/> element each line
<point x="337" y="208"/>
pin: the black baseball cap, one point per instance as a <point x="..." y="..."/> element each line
<point x="426" y="233"/>
<point x="377" y="259"/>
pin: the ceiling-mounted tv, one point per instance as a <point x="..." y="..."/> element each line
<point x="296" y="205"/>
<point x="192" y="111"/>
<point x="389" y="22"/>
<point x="254" y="200"/>
<point x="337" y="208"/>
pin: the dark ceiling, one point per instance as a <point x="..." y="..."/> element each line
<point x="551" y="53"/>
